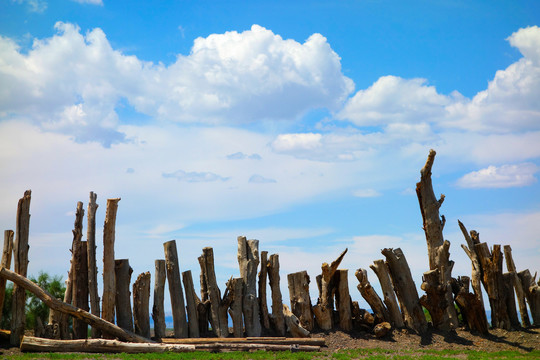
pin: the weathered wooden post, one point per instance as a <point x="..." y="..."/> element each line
<point x="109" y="279"/>
<point x="203" y="308"/>
<point x="175" y="290"/>
<point x="381" y="270"/>
<point x="343" y="300"/>
<point x="92" y="264"/>
<point x="532" y="293"/>
<point x="248" y="260"/>
<point x="518" y="286"/>
<point x="277" y="301"/>
<point x="214" y="294"/>
<point x="371" y="296"/>
<point x="236" y="289"/>
<point x="20" y="253"/>
<point x="6" y="263"/>
<point x="80" y="288"/>
<point x="263" y="304"/>
<point x="124" y="315"/>
<point x="192" y="300"/>
<point x="141" y="305"/>
<point x="300" y="300"/>
<point x="158" y="310"/>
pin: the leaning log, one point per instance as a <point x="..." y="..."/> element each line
<point x="518" y="286"/>
<point x="141" y="305"/>
<point x="71" y="310"/>
<point x="248" y="261"/>
<point x="6" y="263"/>
<point x="381" y="270"/>
<point x="92" y="264"/>
<point x="124" y="314"/>
<point x="371" y="296"/>
<point x="158" y="309"/>
<point x="477" y="274"/>
<point x="292" y="324"/>
<point x="532" y="293"/>
<point x="277" y="317"/>
<point x="109" y="279"/>
<point x="300" y="300"/>
<point x="175" y="290"/>
<point x="34" y="344"/>
<point x="20" y="254"/>
<point x="192" y="300"/>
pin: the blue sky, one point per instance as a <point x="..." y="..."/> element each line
<point x="303" y="125"/>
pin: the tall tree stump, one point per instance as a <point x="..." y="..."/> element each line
<point x="214" y="294"/>
<point x="175" y="290"/>
<point x="477" y="274"/>
<point x="203" y="308"/>
<point x="236" y="288"/>
<point x="343" y="300"/>
<point x="248" y="261"/>
<point x="141" y="305"/>
<point x="124" y="315"/>
<point x="371" y="296"/>
<point x="263" y="304"/>
<point x="109" y="279"/>
<point x="192" y="300"/>
<point x="6" y="263"/>
<point x="518" y="286"/>
<point x="20" y="253"/>
<point x="92" y="263"/>
<point x="471" y="308"/>
<point x="300" y="299"/>
<point x="381" y="270"/>
<point x="532" y="294"/>
<point x="80" y="288"/>
<point x="278" y="319"/>
<point x="158" y="309"/>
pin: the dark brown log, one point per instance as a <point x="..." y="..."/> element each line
<point x="518" y="286"/>
<point x="508" y="282"/>
<point x="277" y="317"/>
<point x="71" y="310"/>
<point x="263" y="305"/>
<point x="343" y="300"/>
<point x="532" y="293"/>
<point x="6" y="263"/>
<point x="203" y="308"/>
<point x="292" y="324"/>
<point x="124" y="315"/>
<point x="372" y="298"/>
<point x="175" y="290"/>
<point x="20" y="254"/>
<point x="381" y="270"/>
<point x="250" y="340"/>
<point x="80" y="288"/>
<point x="300" y="300"/>
<point x="158" y="310"/>
<point x="34" y="344"/>
<point x="435" y="299"/>
<point x="236" y="288"/>
<point x="92" y="263"/>
<point x="248" y="261"/>
<point x="214" y="294"/>
<point x="191" y="301"/>
<point x="362" y="319"/>
<point x="405" y="288"/>
<point x="141" y="305"/>
<point x="471" y="308"/>
<point x="109" y="279"/>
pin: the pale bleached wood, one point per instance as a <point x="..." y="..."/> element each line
<point x="92" y="263"/>
<point x="191" y="301"/>
<point x="381" y="270"/>
<point x="476" y="272"/>
<point x="6" y="263"/>
<point x="248" y="261"/>
<point x="278" y="319"/>
<point x="300" y="300"/>
<point x="320" y="341"/>
<point x="124" y="314"/>
<point x="69" y="309"/>
<point x="263" y="303"/>
<point x="292" y="324"/>
<point x="20" y="254"/>
<point x="343" y="300"/>
<point x="158" y="309"/>
<point x="236" y="288"/>
<point x="175" y="289"/>
<point x="109" y="279"/>
<point x="371" y="296"/>
<point x="141" y="304"/>
<point x="518" y="286"/>
<point x="220" y="329"/>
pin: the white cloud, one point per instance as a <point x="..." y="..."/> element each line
<point x="500" y="177"/>
<point x="366" y="193"/>
<point x="37" y="6"/>
<point x="92" y="2"/>
<point x="194" y="176"/>
<point x="242" y="156"/>
<point x="258" y="179"/>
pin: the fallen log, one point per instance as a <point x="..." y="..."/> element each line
<point x="34" y="344"/>
<point x="252" y="340"/>
<point x="248" y="347"/>
<point x="57" y="305"/>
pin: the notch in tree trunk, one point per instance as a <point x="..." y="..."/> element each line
<point x="124" y="315"/>
<point x="175" y="290"/>
<point x="158" y="310"/>
<point x="109" y="279"/>
<point x="92" y="264"/>
<point x="141" y="305"/>
<point x="277" y="300"/>
<point x="248" y="261"/>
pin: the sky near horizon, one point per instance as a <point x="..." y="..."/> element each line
<point x="301" y="124"/>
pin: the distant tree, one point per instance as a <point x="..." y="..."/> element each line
<point x="6" y="311"/>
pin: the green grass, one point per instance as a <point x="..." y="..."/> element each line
<point x="349" y="354"/>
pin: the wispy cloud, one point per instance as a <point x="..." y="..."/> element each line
<point x="258" y="179"/>
<point x="37" y="6"/>
<point x="92" y="2"/>
<point x="366" y="193"/>
<point x="504" y="176"/>
<point x="242" y="156"/>
<point x="194" y="176"/>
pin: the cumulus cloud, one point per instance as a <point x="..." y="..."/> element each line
<point x="258" y="179"/>
<point x="194" y="176"/>
<point x="500" y="177"/>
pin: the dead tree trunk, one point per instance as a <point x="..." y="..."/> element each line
<point x="175" y="290"/>
<point x="477" y="274"/>
<point x="381" y="270"/>
<point x="300" y="299"/>
<point x="236" y="288"/>
<point x="277" y="301"/>
<point x="92" y="264"/>
<point x="263" y="305"/>
<point x="508" y="282"/>
<point x="369" y="294"/>
<point x="158" y="310"/>
<point x="203" y="308"/>
<point x="141" y="305"/>
<point x="433" y="225"/>
<point x="80" y="288"/>
<point x="435" y="299"/>
<point x="532" y="293"/>
<point x="214" y="294"/>
<point x="471" y="308"/>
<point x="248" y="261"/>
<point x="493" y="280"/>
<point x="343" y="300"/>
<point x="124" y="315"/>
<point x="6" y="263"/>
<point x="20" y="253"/>
<point x="323" y="311"/>
<point x="518" y="286"/>
<point x="109" y="280"/>
<point x="405" y="290"/>
<point x="192" y="300"/>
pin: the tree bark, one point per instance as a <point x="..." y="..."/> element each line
<point x="109" y="280"/>
<point x="124" y="315"/>
<point x="372" y="298"/>
<point x="6" y="263"/>
<point x="518" y="286"/>
<point x="158" y="310"/>
<point x="471" y="308"/>
<point x="277" y="300"/>
<point x="532" y="293"/>
<point x="248" y="261"/>
<point x="300" y="299"/>
<point x="175" y="290"/>
<point x="381" y="270"/>
<point x="214" y="294"/>
<point x="435" y="299"/>
<point x="343" y="300"/>
<point x="20" y="253"/>
<point x="203" y="308"/>
<point x="236" y="288"/>
<point x="192" y="300"/>
<point x="80" y="288"/>
<point x="477" y="273"/>
<point x="508" y="282"/>
<point x="263" y="304"/>
<point x="57" y="305"/>
<point x="92" y="264"/>
<point x="141" y="305"/>
<point x="405" y="288"/>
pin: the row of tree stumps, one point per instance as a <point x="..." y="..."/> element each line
<point x="244" y="299"/>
